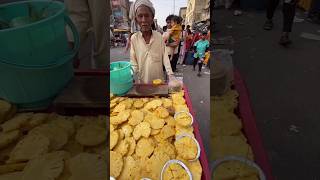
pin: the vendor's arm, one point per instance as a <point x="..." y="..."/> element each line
<point x="133" y="58"/>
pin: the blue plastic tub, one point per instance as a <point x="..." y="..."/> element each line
<point x="121" y="80"/>
<point x="35" y="41"/>
<point x="34" y="87"/>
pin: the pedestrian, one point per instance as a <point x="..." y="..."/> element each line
<point x="84" y="14"/>
<point x="188" y="37"/>
<point x="148" y="53"/>
<point x="200" y="48"/>
<point x="174" y="34"/>
<point x="172" y="46"/>
<point x="288" y="10"/>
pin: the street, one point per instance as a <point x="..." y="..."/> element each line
<point x="198" y="88"/>
<point x="283" y="86"/>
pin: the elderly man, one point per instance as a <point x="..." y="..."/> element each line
<point x="148" y="53"/>
<point x="91" y="13"/>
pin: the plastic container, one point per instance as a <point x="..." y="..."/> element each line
<point x="121" y="77"/>
<point x="222" y="72"/>
<point x="121" y="88"/>
<point x="34" y="87"/>
<point x="35" y="43"/>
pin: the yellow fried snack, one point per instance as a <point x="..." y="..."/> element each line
<point x="119" y="108"/>
<point x="91" y="135"/>
<point x="157" y="81"/>
<point x="167" y="131"/>
<point x="186" y="148"/>
<point x="230" y="145"/>
<point x="156" y="123"/>
<point x="175" y="172"/>
<point x="128" y="102"/>
<point x="121" y="134"/>
<point x="122" y="147"/>
<point x="166" y="102"/>
<point x="18" y="121"/>
<point x="167" y="148"/>
<point x="162" y="112"/>
<point x="114" y="136"/>
<point x="136" y="117"/>
<point x="32" y="146"/>
<point x="183" y="119"/>
<point x="111" y="127"/>
<point x="112" y="105"/>
<point x="184" y="130"/>
<point x="46" y="167"/>
<point x="124" y="115"/>
<point x="8" y="138"/>
<point x="130" y="169"/>
<point x="116" y="120"/>
<point x="227" y="124"/>
<point x="152" y="105"/>
<point x="155" y="164"/>
<point x="36" y="120"/>
<point x="179" y="108"/>
<point x="116" y="164"/>
<point x="145" y="147"/>
<point x="127" y="130"/>
<point x="132" y="145"/>
<point x="138" y="104"/>
<point x="178" y="100"/>
<point x="155" y="131"/>
<point x="142" y="129"/>
<point x="5" y="108"/>
<point x="233" y="170"/>
<point x="170" y="121"/>
<point x="194" y="167"/>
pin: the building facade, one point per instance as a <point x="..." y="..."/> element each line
<point x="182" y="13"/>
<point x="196" y="11"/>
<point x="120" y="14"/>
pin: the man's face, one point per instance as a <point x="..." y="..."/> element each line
<point x="144" y="18"/>
<point x="203" y="36"/>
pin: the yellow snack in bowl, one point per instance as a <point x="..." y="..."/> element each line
<point x="183" y="118"/>
<point x="186" y="148"/>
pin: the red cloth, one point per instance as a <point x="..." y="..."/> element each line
<point x="196" y="38"/>
<point x="188" y="41"/>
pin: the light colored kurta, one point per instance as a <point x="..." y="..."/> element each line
<point x="148" y="59"/>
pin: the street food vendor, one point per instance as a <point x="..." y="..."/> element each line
<point x="147" y="52"/>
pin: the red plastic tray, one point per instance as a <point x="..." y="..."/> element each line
<point x="249" y="126"/>
<point x="203" y="157"/>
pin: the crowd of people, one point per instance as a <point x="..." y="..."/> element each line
<point x="181" y="40"/>
<point x="155" y="50"/>
<point x="288" y="11"/>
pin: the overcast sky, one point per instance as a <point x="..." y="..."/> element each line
<point x="165" y="7"/>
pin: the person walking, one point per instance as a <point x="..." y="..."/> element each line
<point x="288" y="10"/>
<point x="200" y="48"/>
